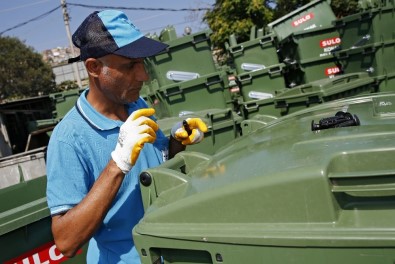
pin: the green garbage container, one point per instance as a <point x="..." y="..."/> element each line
<point x="286" y="193"/>
<point x="25" y="222"/>
<point x="304" y="96"/>
<point x="376" y="59"/>
<point x="257" y="53"/>
<point x="313" y="15"/>
<point x="386" y="82"/>
<point x="367" y="27"/>
<point x="314" y="43"/>
<point x="188" y="57"/>
<point x="263" y="83"/>
<point x="312" y="69"/>
<point x="145" y="92"/>
<point x="206" y="92"/>
<point x="64" y="101"/>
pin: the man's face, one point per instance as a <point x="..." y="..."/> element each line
<point x="121" y="78"/>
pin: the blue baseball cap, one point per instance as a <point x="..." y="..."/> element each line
<point x="111" y="32"/>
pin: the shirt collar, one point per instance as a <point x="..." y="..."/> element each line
<point x="93" y="117"/>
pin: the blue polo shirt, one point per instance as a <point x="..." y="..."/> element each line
<point x="79" y="149"/>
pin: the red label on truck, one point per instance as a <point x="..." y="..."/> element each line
<point x="330" y="42"/>
<point x="46" y="254"/>
<point x="332" y="71"/>
<point x="302" y="19"/>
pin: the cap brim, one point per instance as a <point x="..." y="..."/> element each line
<point x="141" y="48"/>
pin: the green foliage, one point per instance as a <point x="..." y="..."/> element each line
<point x="284" y="7"/>
<point x="66" y="85"/>
<point x="343" y="8"/>
<point x="22" y="71"/>
<point x="237" y="17"/>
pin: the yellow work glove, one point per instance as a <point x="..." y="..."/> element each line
<point x="190" y="131"/>
<point x="137" y="130"/>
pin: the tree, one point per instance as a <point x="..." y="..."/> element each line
<point x="343" y="8"/>
<point x="23" y="73"/>
<point x="284" y="7"/>
<point x="237" y="17"/>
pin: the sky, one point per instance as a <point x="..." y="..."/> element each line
<point x="47" y="30"/>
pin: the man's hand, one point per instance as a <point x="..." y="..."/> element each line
<point x="189" y="132"/>
<point x="137" y="130"/>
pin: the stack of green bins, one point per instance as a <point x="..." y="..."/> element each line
<point x="368" y="43"/>
<point x="257" y="53"/>
<point x="188" y="57"/>
<point x="288" y="101"/>
<point x="315" y="14"/>
<point x="206" y="92"/>
<point x="25" y="222"/>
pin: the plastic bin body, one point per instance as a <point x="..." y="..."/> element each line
<point x="368" y="27"/>
<point x="315" y="43"/>
<point x="376" y="59"/>
<point x="289" y="101"/>
<point x="386" y="83"/>
<point x="190" y="54"/>
<point x="64" y="101"/>
<point x="324" y="90"/>
<point x="260" y="52"/>
<point x="145" y="92"/>
<point x="25" y="222"/>
<point x="206" y="92"/>
<point x="313" y="15"/>
<point x="265" y="81"/>
<point x="223" y="127"/>
<point x="312" y="69"/>
<point x="282" y="193"/>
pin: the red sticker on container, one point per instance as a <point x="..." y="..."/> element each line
<point x="332" y="71"/>
<point x="330" y="42"/>
<point x="302" y="19"/>
<point x="46" y="254"/>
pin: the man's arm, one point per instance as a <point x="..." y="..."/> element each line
<point x="74" y="228"/>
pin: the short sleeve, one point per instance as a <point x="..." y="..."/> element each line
<point x="67" y="183"/>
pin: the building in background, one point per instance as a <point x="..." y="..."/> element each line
<point x="57" y="58"/>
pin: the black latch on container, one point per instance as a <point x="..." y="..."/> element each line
<point x="341" y="119"/>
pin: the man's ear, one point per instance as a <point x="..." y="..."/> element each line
<point x="93" y="66"/>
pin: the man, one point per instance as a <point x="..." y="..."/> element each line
<point x="97" y="151"/>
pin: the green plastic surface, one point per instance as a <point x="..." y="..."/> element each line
<point x="368" y="27"/>
<point x="281" y="194"/>
<point x="376" y="59"/>
<point x="191" y="53"/>
<point x="260" y="51"/>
